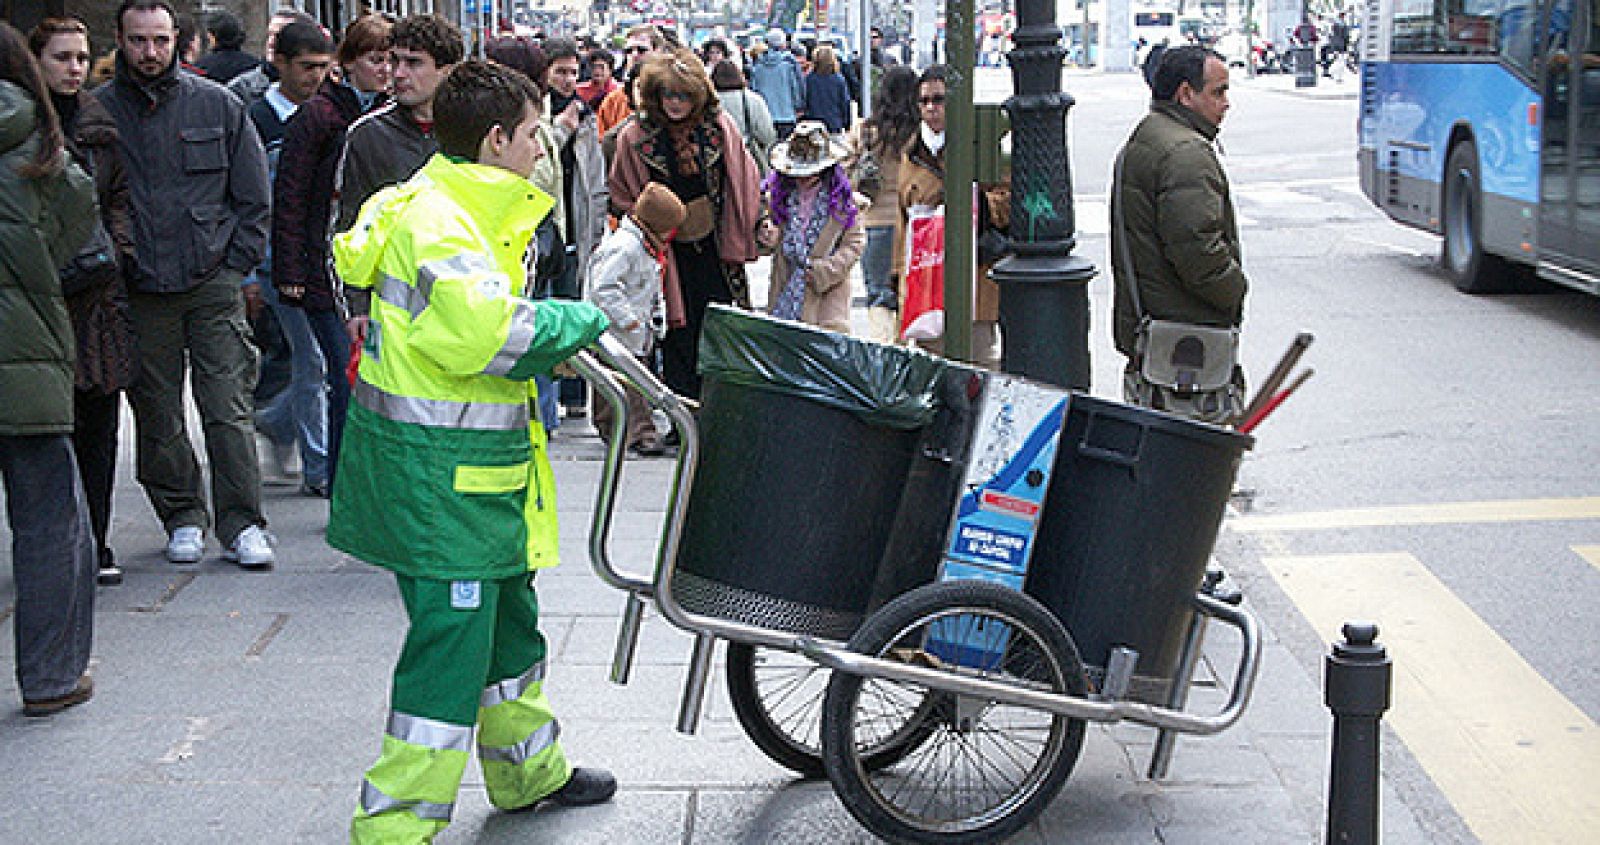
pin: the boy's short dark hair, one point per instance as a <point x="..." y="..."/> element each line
<point x="474" y="97"/>
<point x="1179" y="65"/>
<point x="146" y="6"/>
<point x="604" y="57"/>
<point x="301" y="38"/>
<point x="933" y="73"/>
<point x="226" y="28"/>
<point x="430" y="34"/>
<point x="559" y="48"/>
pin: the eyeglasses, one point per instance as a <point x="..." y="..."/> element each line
<point x="681" y="96"/>
<point x="932" y="100"/>
<point x="635" y="49"/>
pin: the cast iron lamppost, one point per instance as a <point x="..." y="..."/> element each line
<point x="1044" y="297"/>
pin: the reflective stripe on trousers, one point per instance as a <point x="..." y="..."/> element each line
<point x="518" y="742"/>
<point x="409" y="794"/>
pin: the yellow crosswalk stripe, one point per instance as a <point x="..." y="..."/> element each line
<point x="1510" y="510"/>
<point x="1589" y="553"/>
<point x="1519" y="762"/>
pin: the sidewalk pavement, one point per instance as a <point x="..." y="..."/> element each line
<point x="1344" y="85"/>
<point x="245" y="707"/>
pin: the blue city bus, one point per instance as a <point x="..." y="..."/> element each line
<point x="1480" y="122"/>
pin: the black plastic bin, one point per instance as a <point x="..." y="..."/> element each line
<point x="808" y="437"/>
<point x="1133" y="511"/>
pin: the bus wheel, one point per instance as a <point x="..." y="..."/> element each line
<point x="1470" y="268"/>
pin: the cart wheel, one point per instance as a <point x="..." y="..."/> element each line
<point x="984" y="769"/>
<point x="777" y="697"/>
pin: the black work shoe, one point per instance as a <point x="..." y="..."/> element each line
<point x="84" y="691"/>
<point x="586" y="787"/>
<point x="109" y="575"/>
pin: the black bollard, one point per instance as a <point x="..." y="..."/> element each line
<point x="1356" y="682"/>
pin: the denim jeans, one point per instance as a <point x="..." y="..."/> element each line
<point x="328" y="329"/>
<point x="53" y="563"/>
<point x="876" y="261"/>
<point x="300" y="413"/>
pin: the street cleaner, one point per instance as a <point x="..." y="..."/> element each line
<point x="443" y="475"/>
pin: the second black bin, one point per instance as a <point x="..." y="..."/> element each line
<point x="1133" y="511"/>
<point x="808" y="437"/>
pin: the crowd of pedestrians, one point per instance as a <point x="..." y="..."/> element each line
<point x="364" y="249"/>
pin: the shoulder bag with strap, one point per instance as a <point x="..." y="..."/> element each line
<point x="1186" y="369"/>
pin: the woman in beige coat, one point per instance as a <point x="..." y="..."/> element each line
<point x="816" y="229"/>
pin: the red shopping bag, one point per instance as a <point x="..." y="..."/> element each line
<point x="922" y="317"/>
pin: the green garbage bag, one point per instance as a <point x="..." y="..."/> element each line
<point x="889" y="386"/>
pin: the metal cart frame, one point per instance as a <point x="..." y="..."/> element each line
<point x="1105" y="706"/>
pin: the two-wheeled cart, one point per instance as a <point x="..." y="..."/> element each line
<point x="933" y="644"/>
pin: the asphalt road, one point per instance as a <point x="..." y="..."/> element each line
<point x="1437" y="474"/>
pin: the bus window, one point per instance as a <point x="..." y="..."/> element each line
<point x="1467" y="27"/>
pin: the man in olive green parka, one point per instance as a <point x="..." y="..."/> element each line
<point x="1172" y="208"/>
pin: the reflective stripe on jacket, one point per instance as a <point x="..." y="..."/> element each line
<point x="441" y="473"/>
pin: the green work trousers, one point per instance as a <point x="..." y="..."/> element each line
<point x="200" y="333"/>
<point x="472" y="657"/>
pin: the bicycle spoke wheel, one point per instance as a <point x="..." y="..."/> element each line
<point x="777" y="697"/>
<point x="980" y="769"/>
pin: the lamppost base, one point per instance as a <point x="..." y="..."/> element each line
<point x="1044" y="317"/>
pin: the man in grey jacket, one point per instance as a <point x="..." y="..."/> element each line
<point x="776" y="77"/>
<point x="1173" y="211"/>
<point x="197" y="176"/>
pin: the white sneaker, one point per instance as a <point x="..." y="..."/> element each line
<point x="252" y="549"/>
<point x="186" y="544"/>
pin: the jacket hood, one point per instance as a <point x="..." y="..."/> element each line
<point x="506" y="206"/>
<point x="776" y="57"/>
<point x="18" y="115"/>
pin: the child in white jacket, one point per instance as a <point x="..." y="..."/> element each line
<point x="625" y="281"/>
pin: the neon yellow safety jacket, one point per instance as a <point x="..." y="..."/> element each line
<point x="442" y="470"/>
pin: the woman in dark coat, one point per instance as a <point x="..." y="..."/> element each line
<point x="98" y="305"/>
<point x="827" y="94"/>
<point x="46" y="213"/>
<point x="302" y="198"/>
<point x="683" y="140"/>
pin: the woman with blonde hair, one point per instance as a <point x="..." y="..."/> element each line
<point x="684" y="140"/>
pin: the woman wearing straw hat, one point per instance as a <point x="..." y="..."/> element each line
<point x="817" y="229"/>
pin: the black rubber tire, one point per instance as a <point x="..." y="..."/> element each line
<point x="790" y="737"/>
<point x="1031" y="632"/>
<point x="1461" y="255"/>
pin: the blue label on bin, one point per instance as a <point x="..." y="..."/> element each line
<point x="1008" y="474"/>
